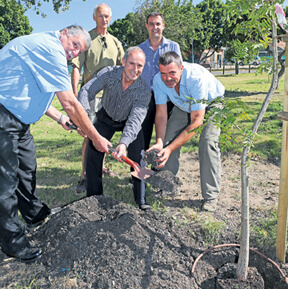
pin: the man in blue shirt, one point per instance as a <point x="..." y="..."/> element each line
<point x="33" y="69"/>
<point x="183" y="86"/>
<point x="153" y="47"/>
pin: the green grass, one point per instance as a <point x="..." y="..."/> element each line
<point x="263" y="232"/>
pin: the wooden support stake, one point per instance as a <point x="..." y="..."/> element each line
<point x="283" y="191"/>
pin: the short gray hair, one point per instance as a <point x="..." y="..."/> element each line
<point x="169" y="57"/>
<point x="98" y="6"/>
<point x="133" y="48"/>
<point x="75" y="30"/>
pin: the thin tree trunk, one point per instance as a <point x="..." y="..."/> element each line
<point x="244" y="245"/>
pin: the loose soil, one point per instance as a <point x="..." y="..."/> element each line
<point x="98" y="242"/>
<point x="162" y="180"/>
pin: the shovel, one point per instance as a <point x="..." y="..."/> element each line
<point x="139" y="172"/>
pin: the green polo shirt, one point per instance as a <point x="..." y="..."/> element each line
<point x="101" y="54"/>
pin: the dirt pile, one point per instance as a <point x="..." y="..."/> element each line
<point x="109" y="245"/>
<point x="98" y="242"/>
<point x="162" y="180"/>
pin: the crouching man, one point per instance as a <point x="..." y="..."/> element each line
<point x="124" y="106"/>
<point x="176" y="87"/>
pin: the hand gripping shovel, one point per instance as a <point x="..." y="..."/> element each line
<point x="139" y="172"/>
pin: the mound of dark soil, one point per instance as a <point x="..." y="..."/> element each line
<point x="151" y="158"/>
<point x="98" y="242"/>
<point x="227" y="278"/>
<point x="165" y="181"/>
<point x="162" y="180"/>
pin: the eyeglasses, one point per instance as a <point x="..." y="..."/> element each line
<point x="104" y="43"/>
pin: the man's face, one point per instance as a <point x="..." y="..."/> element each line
<point x="134" y="65"/>
<point x="102" y="17"/>
<point x="155" y="26"/>
<point x="73" y="45"/>
<point x="171" y="74"/>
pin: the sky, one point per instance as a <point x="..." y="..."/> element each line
<point x="81" y="13"/>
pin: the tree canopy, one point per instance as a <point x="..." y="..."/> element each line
<point x="36" y="5"/>
<point x="210" y="36"/>
<point x="13" y="22"/>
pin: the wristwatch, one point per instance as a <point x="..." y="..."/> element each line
<point x="60" y="119"/>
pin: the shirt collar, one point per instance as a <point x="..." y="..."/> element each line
<point x="183" y="76"/>
<point x="164" y="42"/>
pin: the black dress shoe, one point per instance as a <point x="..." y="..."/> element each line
<point x="42" y="214"/>
<point x="26" y="254"/>
<point x="39" y="219"/>
<point x="144" y="207"/>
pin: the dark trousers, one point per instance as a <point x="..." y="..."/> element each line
<point x="148" y="123"/>
<point x="107" y="127"/>
<point x="17" y="182"/>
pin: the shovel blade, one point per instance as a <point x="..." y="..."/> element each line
<point x="143" y="173"/>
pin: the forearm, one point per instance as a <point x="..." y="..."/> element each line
<point x="53" y="113"/>
<point x="196" y="121"/>
<point x="133" y="125"/>
<point x="75" y="78"/>
<point x="58" y="116"/>
<point x="77" y="114"/>
<point x="183" y="138"/>
<point x="161" y="124"/>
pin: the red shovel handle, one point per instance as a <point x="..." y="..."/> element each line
<point x="126" y="160"/>
<point x="130" y="162"/>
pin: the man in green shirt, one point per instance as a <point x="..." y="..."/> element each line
<point x="105" y="50"/>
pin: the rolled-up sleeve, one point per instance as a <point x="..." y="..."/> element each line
<point x="90" y="89"/>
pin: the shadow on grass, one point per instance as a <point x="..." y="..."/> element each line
<point x="59" y="149"/>
<point x="56" y="186"/>
<point x="233" y="93"/>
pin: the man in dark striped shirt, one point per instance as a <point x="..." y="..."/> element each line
<point x="125" y="102"/>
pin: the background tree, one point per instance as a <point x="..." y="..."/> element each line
<point x="210" y="35"/>
<point x="36" y="5"/>
<point x="123" y="29"/>
<point x="13" y="23"/>
<point x="239" y="46"/>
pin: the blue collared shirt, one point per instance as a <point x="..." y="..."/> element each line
<point x="196" y="83"/>
<point x="33" y="68"/>
<point x="151" y="66"/>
